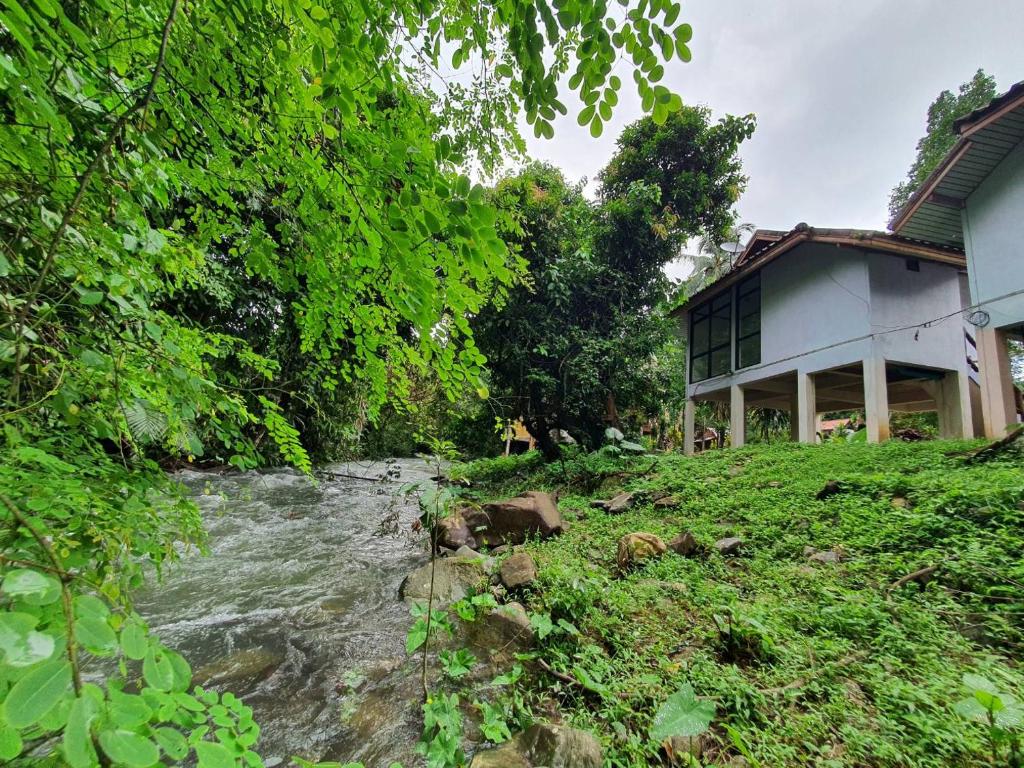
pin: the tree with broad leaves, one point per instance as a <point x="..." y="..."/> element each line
<point x="582" y="341"/>
<point x="939" y="134"/>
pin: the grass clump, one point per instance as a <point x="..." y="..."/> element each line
<point x="806" y="662"/>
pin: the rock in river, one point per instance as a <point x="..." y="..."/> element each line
<point x="550" y="746"/>
<point x="454" y="578"/>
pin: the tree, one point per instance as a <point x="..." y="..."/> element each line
<point x="300" y="158"/>
<point x="583" y="340"/>
<point x="939" y="134"/>
<point x="712" y="260"/>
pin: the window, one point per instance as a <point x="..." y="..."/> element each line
<point x="710" y="338"/>
<point x="748" y="322"/>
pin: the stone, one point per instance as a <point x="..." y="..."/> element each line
<point x="678" y="748"/>
<point x="454" y="579"/>
<point x="544" y="746"/>
<point x="466" y="551"/>
<point x="900" y="502"/>
<point x="634" y="548"/>
<point x="453" y="533"/>
<point x="512" y="521"/>
<point x="499" y="635"/>
<point x="832" y="487"/>
<point x="518" y="571"/>
<point x="684" y="544"/>
<point x="808" y="551"/>
<point x="828" y="556"/>
<point x="729" y="545"/>
<point x="246" y="664"/>
<point x="601" y="504"/>
<point x="621" y="503"/>
<point x="500" y="550"/>
<point x="666" y="502"/>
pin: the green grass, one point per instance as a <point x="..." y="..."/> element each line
<point x="824" y="666"/>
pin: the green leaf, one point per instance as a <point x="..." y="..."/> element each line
<point x="21" y="645"/>
<point x="682" y="714"/>
<point x="10" y="742"/>
<point x="95" y="635"/>
<point x="128" y="711"/>
<point x="37" y="693"/>
<point x="129" y="748"/>
<point x="157" y="670"/>
<point x="596" y="127"/>
<point x="32" y="587"/>
<point x="90" y="298"/>
<point x="173" y="743"/>
<point x="78" y="748"/>
<point x="133" y="640"/>
<point x="212" y="755"/>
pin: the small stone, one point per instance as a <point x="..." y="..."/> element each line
<point x="832" y="487"/>
<point x="808" y="551"/>
<point x="544" y="745"/>
<point x="729" y="545"/>
<point x="667" y="502"/>
<point x="684" y="544"/>
<point x="828" y="556"/>
<point x="500" y="550"/>
<point x="680" y="749"/>
<point x="774" y="484"/>
<point x="465" y="551"/>
<point x="601" y="504"/>
<point x="518" y="571"/>
<point x="621" y="503"/>
<point x="634" y="548"/>
<point x="900" y="502"/>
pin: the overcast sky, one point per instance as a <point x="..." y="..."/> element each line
<point x="840" y="90"/>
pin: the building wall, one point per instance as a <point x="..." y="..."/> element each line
<point x="825" y="306"/>
<point x="994" y="239"/>
<point x="902" y="300"/>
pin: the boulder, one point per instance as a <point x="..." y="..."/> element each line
<point x="550" y="746"/>
<point x="601" y="504"/>
<point x="518" y="571"/>
<point x="621" y="503"/>
<point x="466" y="551"/>
<point x="453" y="533"/>
<point x="454" y="579"/>
<point x="500" y="634"/>
<point x="729" y="545"/>
<point x="666" y="502"/>
<point x="511" y="521"/>
<point x="684" y="544"/>
<point x="634" y="548"/>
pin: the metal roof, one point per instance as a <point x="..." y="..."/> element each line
<point x="987" y="136"/>
<point x="755" y="257"/>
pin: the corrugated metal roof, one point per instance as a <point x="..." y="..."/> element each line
<point x="987" y="136"/>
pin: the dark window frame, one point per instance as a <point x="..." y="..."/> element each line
<point x="746" y="289"/>
<point x="720" y="308"/>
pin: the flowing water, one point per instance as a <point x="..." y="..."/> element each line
<point x="296" y="608"/>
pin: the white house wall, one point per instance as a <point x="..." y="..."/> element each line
<point x="993" y="220"/>
<point x="902" y="299"/>
<point x="824" y="307"/>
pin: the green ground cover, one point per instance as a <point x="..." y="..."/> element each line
<point x="806" y="663"/>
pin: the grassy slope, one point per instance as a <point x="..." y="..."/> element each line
<point x="825" y="669"/>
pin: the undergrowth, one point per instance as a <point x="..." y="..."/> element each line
<point x="807" y="663"/>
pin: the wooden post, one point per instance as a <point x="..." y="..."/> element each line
<point x="807" y="408"/>
<point x="737" y="416"/>
<point x="876" y="399"/>
<point x="998" y="409"/>
<point x="688" y="431"/>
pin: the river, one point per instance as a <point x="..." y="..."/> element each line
<point x="296" y="609"/>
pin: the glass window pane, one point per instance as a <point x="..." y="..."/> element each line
<point x="699" y="342"/>
<point x="748" y="304"/>
<point x="699" y="368"/>
<point x="750" y="351"/>
<point x="720" y="331"/>
<point x="719" y="362"/>
<point x="749" y="324"/>
<point x="702" y="311"/>
<point x="721" y="303"/>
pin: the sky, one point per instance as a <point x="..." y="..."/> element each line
<point x="840" y="90"/>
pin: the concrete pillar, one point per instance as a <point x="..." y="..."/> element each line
<point x="737" y="416"/>
<point x="998" y="410"/>
<point x="876" y="399"/>
<point x="953" y="405"/>
<point x="794" y="417"/>
<point x="807" y="408"/>
<point x="688" y="430"/>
